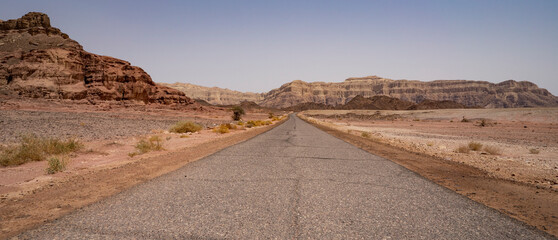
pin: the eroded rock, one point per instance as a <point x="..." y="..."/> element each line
<point x="39" y="61"/>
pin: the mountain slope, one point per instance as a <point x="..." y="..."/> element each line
<point x="215" y="95"/>
<point x="37" y="60"/>
<point x="469" y="93"/>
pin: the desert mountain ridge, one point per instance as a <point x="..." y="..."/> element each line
<point x="216" y="95"/>
<point x="39" y="61"/>
<point x="507" y="94"/>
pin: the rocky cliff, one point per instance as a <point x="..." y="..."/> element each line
<point x="468" y="93"/>
<point x="38" y="60"/>
<point x="215" y="95"/>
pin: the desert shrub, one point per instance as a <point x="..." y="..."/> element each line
<point x="221" y="129"/>
<point x="275" y="118"/>
<point x="430" y="144"/>
<point x="475" y="146"/>
<point x="534" y="151"/>
<point x="56" y="164"/>
<point x="365" y="135"/>
<point x="254" y="123"/>
<point x="240" y="123"/>
<point x="224" y="128"/>
<point x="463" y="149"/>
<point x="465" y="120"/>
<point x="57" y="146"/>
<point x="270" y="115"/>
<point x="493" y="150"/>
<point x="238" y="111"/>
<point x="258" y="123"/>
<point x="183" y="136"/>
<point x="483" y="123"/>
<point x="32" y="148"/>
<point x="154" y="143"/>
<point x="185" y="126"/>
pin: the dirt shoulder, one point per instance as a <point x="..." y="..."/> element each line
<point x="65" y="194"/>
<point x="525" y="202"/>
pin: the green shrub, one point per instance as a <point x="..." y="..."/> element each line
<point x="238" y="111"/>
<point x="32" y="148"/>
<point x="56" y="164"/>
<point x="475" y="146"/>
<point x="365" y="135"/>
<point x="57" y="146"/>
<point x="154" y="143"/>
<point x="185" y="126"/>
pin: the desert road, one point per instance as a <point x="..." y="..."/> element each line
<point x="291" y="182"/>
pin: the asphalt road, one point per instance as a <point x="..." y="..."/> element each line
<point x="294" y="181"/>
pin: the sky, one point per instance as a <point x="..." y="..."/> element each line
<point x="259" y="45"/>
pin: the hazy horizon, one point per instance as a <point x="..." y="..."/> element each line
<point x="256" y="46"/>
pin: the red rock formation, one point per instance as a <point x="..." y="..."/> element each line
<point x="469" y="93"/>
<point x="301" y="95"/>
<point x="37" y="60"/>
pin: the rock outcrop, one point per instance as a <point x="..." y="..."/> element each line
<point x="38" y="60"/>
<point x="457" y="93"/>
<point x="377" y="103"/>
<point x="430" y="104"/>
<point x="215" y="95"/>
<point x="469" y="93"/>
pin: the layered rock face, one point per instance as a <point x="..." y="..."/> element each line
<point x="37" y="60"/>
<point x="469" y="93"/>
<point x="215" y="95"/>
<point x="463" y="92"/>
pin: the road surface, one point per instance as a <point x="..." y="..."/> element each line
<point x="292" y="182"/>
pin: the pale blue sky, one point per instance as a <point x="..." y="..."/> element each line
<point x="259" y="45"/>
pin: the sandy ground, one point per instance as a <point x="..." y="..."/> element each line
<point x="515" y="182"/>
<point x="109" y="133"/>
<point x="514" y="132"/>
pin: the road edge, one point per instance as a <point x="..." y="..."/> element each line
<point x="465" y="180"/>
<point x="57" y="200"/>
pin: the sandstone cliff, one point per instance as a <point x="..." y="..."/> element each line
<point x="215" y="95"/>
<point x="469" y="93"/>
<point x="37" y="60"/>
